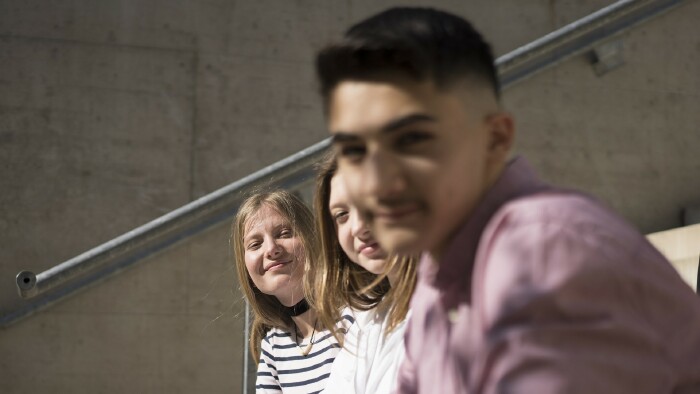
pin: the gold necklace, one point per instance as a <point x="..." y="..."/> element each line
<point x="305" y="351"/>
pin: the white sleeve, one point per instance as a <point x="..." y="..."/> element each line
<point x="390" y="354"/>
<point x="344" y="369"/>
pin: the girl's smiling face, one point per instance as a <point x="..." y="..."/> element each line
<point x="274" y="255"/>
<point x="353" y="234"/>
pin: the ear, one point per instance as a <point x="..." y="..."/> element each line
<point x="501" y="134"/>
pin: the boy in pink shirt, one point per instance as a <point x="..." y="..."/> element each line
<point x="523" y="288"/>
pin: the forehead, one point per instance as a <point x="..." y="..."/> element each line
<point x="338" y="192"/>
<point x="265" y="218"/>
<point x="362" y="106"/>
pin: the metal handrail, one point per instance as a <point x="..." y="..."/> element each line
<point x="153" y="237"/>
<point x="81" y="271"/>
<point x="577" y="37"/>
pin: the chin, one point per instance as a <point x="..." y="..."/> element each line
<point x="375" y="266"/>
<point x="401" y="242"/>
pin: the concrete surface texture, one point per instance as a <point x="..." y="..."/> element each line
<point x="114" y="112"/>
<point x="629" y="137"/>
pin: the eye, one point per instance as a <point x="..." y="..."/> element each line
<point x="253" y="245"/>
<point x="286" y="233"/>
<point x="409" y="139"/>
<point x="340" y="217"/>
<point x="352" y="152"/>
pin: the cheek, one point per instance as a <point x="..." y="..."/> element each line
<point x="345" y="239"/>
<point x="252" y="267"/>
<point x="251" y="264"/>
<point x="422" y="172"/>
<point x="297" y="249"/>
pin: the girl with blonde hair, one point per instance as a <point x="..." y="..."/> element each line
<point x="274" y="241"/>
<point x="354" y="271"/>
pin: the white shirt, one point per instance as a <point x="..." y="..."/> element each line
<point x="369" y="361"/>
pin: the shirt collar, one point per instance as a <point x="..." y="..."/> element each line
<point x="455" y="267"/>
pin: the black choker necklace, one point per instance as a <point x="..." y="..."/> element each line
<point x="298" y="308"/>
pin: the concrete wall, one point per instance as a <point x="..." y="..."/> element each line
<point x="171" y="325"/>
<point x="113" y="113"/>
<point x="629" y="137"/>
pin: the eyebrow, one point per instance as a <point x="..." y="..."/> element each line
<point x="405" y="121"/>
<point x="256" y="234"/>
<point x="393" y="125"/>
<point x="341" y="205"/>
<point x="250" y="235"/>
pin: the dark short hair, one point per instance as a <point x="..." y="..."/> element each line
<point x="419" y="43"/>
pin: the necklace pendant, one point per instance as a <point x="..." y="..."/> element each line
<point x="305" y="352"/>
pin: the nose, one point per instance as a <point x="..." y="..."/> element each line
<point x="274" y="250"/>
<point x="358" y="226"/>
<point x="383" y="177"/>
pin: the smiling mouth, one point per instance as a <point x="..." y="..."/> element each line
<point x="396" y="214"/>
<point x="371" y="250"/>
<point x="276" y="265"/>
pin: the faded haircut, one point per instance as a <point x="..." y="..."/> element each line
<point x="417" y="43"/>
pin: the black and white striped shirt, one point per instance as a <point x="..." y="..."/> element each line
<point x="284" y="369"/>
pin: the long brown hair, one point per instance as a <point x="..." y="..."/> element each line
<point x="334" y="281"/>
<point x="267" y="310"/>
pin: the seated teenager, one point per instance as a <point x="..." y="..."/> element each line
<point x="523" y="287"/>
<point x="274" y="240"/>
<point x="355" y="271"/>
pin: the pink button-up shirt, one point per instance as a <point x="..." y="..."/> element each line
<point x="546" y="291"/>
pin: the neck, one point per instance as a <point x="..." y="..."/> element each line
<point x="436" y="253"/>
<point x="393" y="276"/>
<point x="305" y="322"/>
<point x="298" y="308"/>
<point x="292" y="299"/>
